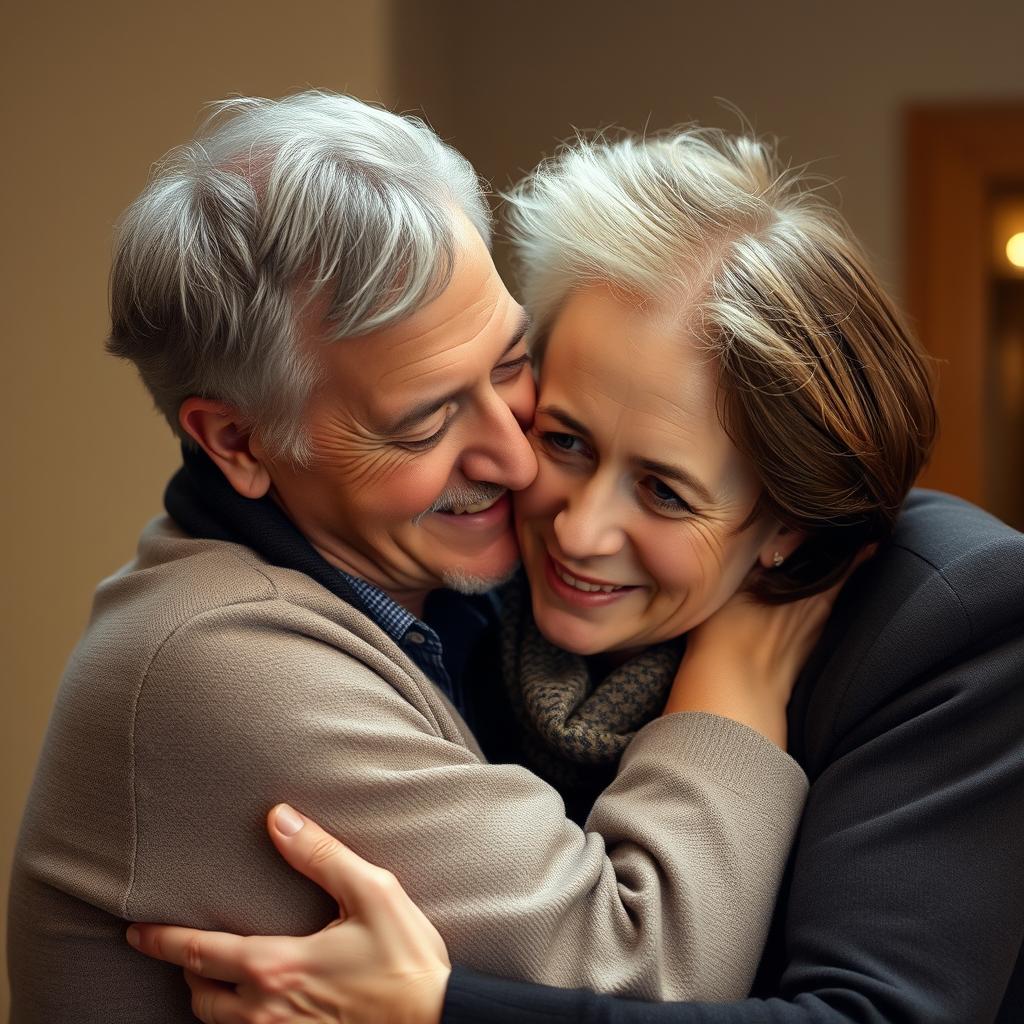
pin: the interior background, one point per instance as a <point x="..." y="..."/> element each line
<point x="93" y="94"/>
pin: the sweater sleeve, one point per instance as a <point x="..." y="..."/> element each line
<point x="907" y="898"/>
<point x="667" y="894"/>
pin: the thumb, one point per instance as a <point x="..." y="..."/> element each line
<point x="319" y="856"/>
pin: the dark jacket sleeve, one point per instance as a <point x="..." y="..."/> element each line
<point x="473" y="997"/>
<point x="905" y="898"/>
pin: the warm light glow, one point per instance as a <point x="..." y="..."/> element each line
<point x="1015" y="249"/>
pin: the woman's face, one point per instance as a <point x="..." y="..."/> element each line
<point x="630" y="532"/>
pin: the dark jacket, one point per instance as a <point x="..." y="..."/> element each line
<point x="904" y="896"/>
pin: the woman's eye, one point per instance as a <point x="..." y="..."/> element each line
<point x="557" y="441"/>
<point x="662" y="496"/>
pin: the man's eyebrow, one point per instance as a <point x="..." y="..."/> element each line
<point x="522" y="326"/>
<point x="664" y="469"/>
<point x="429" y="406"/>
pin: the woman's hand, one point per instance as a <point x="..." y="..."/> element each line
<point x="743" y="661"/>
<point x="381" y="962"/>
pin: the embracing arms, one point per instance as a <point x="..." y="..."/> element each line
<point x="906" y="899"/>
<point x="667" y="893"/>
<point x="906" y="902"/>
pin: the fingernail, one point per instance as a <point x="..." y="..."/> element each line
<point x="134" y="936"/>
<point x="287" y="821"/>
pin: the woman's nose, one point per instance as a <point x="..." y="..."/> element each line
<point x="589" y="525"/>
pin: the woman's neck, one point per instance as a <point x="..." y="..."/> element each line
<point x="605" y="662"/>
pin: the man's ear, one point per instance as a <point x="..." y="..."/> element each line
<point x="779" y="546"/>
<point x="221" y="432"/>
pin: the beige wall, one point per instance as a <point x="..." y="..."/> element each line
<point x="830" y="79"/>
<point x="93" y="94"/>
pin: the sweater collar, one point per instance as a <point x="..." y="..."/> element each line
<point x="202" y="502"/>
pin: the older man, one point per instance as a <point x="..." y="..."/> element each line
<point x="309" y="297"/>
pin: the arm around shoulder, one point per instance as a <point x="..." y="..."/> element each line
<point x="238" y="714"/>
<point x="906" y="902"/>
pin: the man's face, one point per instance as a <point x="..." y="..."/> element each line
<point x="413" y="424"/>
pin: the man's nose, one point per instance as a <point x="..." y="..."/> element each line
<point x="502" y="454"/>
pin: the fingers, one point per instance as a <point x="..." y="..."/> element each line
<point x="212" y="1003"/>
<point x="315" y="853"/>
<point x="215" y="955"/>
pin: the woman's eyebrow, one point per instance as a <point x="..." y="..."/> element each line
<point x="557" y="413"/>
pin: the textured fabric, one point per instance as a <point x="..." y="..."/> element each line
<point x="202" y="502"/>
<point x="575" y="728"/>
<point x="904" y="902"/>
<point x="414" y="636"/>
<point x="211" y="684"/>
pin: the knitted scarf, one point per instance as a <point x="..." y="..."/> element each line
<point x="575" y="729"/>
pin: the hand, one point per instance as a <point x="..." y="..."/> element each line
<point x="381" y="962"/>
<point x="743" y="661"/>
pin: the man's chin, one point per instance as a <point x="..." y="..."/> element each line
<point x="463" y="582"/>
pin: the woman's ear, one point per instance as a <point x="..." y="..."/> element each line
<point x="779" y="546"/>
<point x="220" y="431"/>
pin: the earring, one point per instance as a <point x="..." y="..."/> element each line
<point x="777" y="559"/>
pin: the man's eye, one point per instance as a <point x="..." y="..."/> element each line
<point x="509" y="371"/>
<point x="425" y="443"/>
<point x="662" y="497"/>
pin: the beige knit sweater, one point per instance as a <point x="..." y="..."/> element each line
<point x="209" y="685"/>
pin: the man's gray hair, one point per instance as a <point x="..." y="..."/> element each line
<point x="278" y="203"/>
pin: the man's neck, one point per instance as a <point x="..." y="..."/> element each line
<point x="411" y="600"/>
<point x="349" y="563"/>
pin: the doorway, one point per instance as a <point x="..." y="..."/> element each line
<point x="965" y="292"/>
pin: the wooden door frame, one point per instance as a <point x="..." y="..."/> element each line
<point x="954" y="157"/>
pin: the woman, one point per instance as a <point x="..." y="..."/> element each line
<point x="715" y="355"/>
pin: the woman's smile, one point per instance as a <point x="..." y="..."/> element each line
<point x="583" y="591"/>
<point x="634" y="529"/>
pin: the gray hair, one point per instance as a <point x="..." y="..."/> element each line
<point x="658" y="216"/>
<point x="824" y="390"/>
<point x="275" y="204"/>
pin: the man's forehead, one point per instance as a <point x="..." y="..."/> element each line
<point x="443" y="346"/>
<point x="414" y="350"/>
<point x="410" y="353"/>
<point x="401" y="374"/>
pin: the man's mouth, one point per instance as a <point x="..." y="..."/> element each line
<point x="476" y="506"/>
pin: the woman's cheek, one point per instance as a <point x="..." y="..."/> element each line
<point x="682" y="565"/>
<point x="733" y="566"/>
<point x="544" y="497"/>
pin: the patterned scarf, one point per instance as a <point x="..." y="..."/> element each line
<point x="575" y="730"/>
